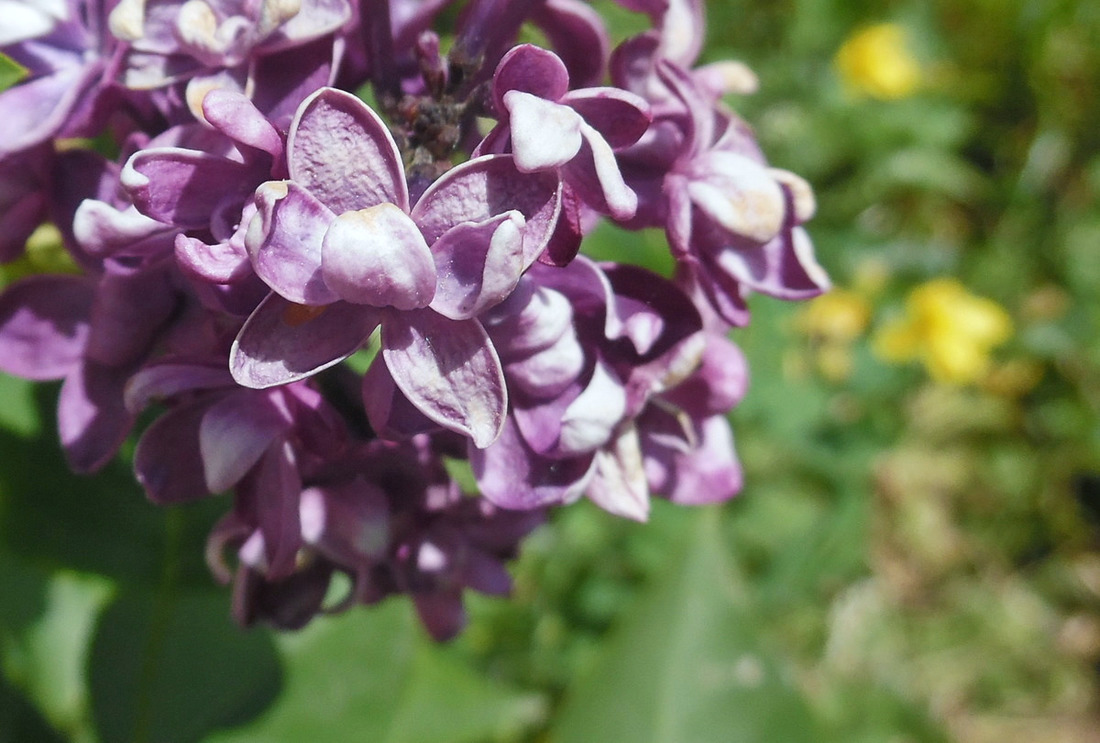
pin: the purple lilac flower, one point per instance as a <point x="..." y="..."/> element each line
<point x="262" y="225"/>
<point x="345" y="253"/>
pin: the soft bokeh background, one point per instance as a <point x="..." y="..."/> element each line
<point x="915" y="557"/>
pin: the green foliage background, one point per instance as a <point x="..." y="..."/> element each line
<point x="908" y="561"/>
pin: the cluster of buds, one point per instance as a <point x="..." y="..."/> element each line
<point x="329" y="304"/>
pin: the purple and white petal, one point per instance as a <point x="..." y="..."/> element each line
<point x="235" y="433"/>
<point x="544" y="134"/>
<point x="283" y="342"/>
<point x="510" y="475"/>
<point x="449" y="370"/>
<point x="478" y="265"/>
<point x="181" y="187"/>
<point x="236" y="116"/>
<point x="621" y="117"/>
<point x="341" y="151"/>
<point x="377" y="256"/>
<point x="285" y="239"/>
<point x="530" y="69"/>
<point x="486" y="187"/>
<point x="619" y="485"/>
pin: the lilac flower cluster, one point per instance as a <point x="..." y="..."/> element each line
<point x="264" y="236"/>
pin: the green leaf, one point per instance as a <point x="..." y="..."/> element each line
<point x="45" y="648"/>
<point x="20" y="721"/>
<point x="688" y="664"/>
<point x="173" y="668"/>
<point x="378" y="679"/>
<point x="11" y="72"/>
<point x="102" y="523"/>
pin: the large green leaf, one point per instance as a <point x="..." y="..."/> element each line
<point x="370" y="675"/>
<point x="102" y="523"/>
<point x="44" y="630"/>
<point x="171" y="668"/>
<point x="20" y="721"/>
<point x="688" y="664"/>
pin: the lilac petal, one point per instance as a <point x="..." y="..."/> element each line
<point x="531" y="319"/>
<point x="282" y="342"/>
<point x="596" y="177"/>
<point x="92" y="420"/>
<point x="587" y="287"/>
<point x="129" y="313"/>
<point x="548" y="372"/>
<point x="101" y="229"/>
<point x="724" y="294"/>
<point x="621" y="117"/>
<point x="784" y="268"/>
<point x="532" y="70"/>
<point x="485" y="187"/>
<point x="478" y="264"/>
<point x="654" y="313"/>
<point x="738" y="195"/>
<point x="235" y="433"/>
<point x="348" y="522"/>
<point x="220" y="263"/>
<point x="35" y="110"/>
<point x="544" y="134"/>
<point x="181" y="187"/>
<point x="160" y="381"/>
<point x="270" y="495"/>
<point x="23" y="198"/>
<point x="344" y="154"/>
<point x="619" y="485"/>
<point x="236" y="116"/>
<point x="512" y="476"/>
<point x="565" y="243"/>
<point x="44" y="325"/>
<point x="282" y="81"/>
<point x="389" y="412"/>
<point x="682" y="31"/>
<point x="285" y="241"/>
<point x="707" y="472"/>
<point x="377" y="256"/>
<point x="312" y="19"/>
<point x="590" y="420"/>
<point x="717" y="385"/>
<point x="679" y="218"/>
<point x="540" y="422"/>
<point x="441" y="612"/>
<point x="23" y="20"/>
<point x="167" y="461"/>
<point x="449" y="370"/>
<point x="577" y="33"/>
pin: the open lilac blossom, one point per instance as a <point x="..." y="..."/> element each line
<point x="546" y="125"/>
<point x="344" y="253"/>
<point x="313" y="309"/>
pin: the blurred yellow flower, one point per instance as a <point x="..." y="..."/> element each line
<point x="877" y="62"/>
<point x="840" y="315"/>
<point x="947" y="328"/>
<point x="833" y="322"/>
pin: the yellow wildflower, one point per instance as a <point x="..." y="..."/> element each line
<point x="947" y="328"/>
<point x="839" y="315"/>
<point x="833" y="322"/>
<point x="877" y="62"/>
